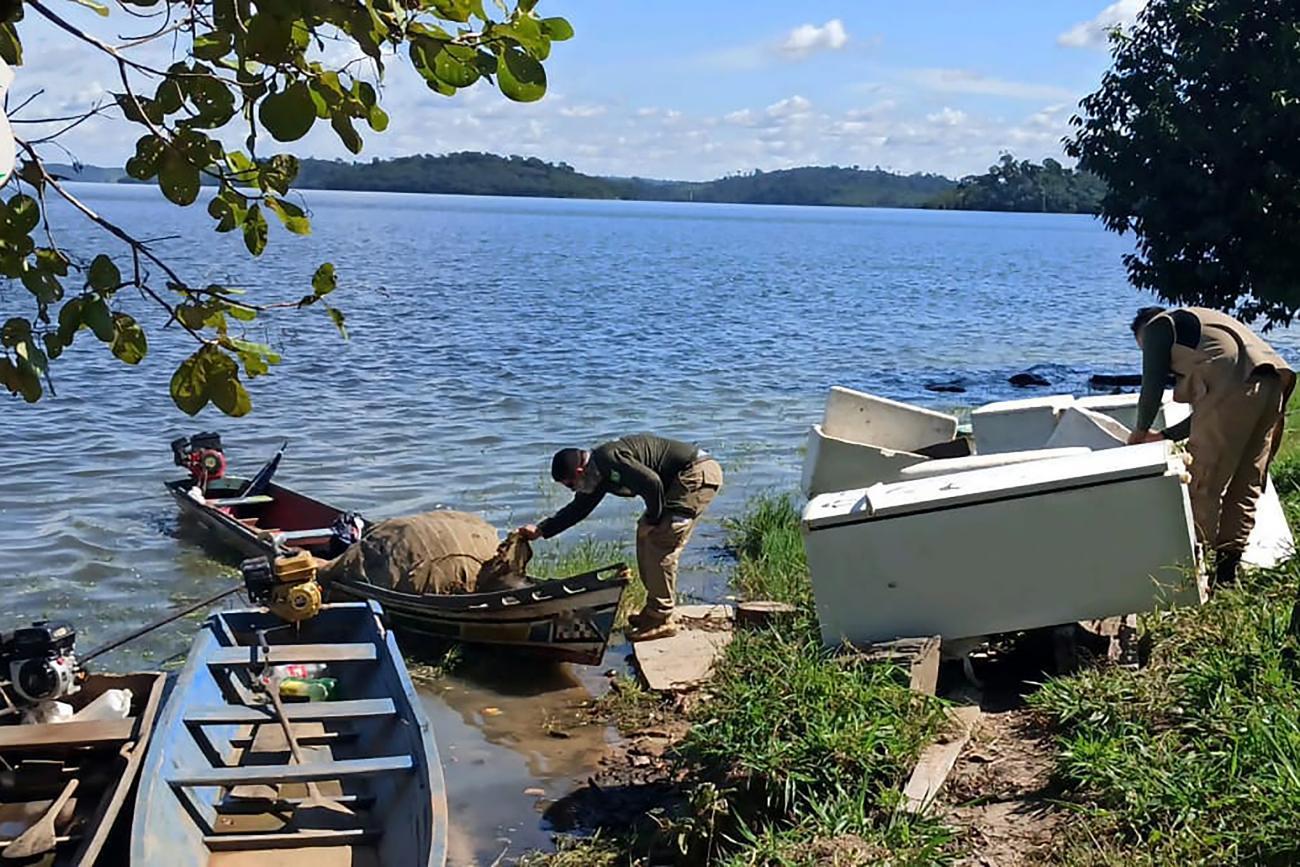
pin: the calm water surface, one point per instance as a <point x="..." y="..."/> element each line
<point x="485" y="333"/>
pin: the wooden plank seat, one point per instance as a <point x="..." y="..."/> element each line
<point x="273" y="774"/>
<point x="230" y="502"/>
<point x="319" y="739"/>
<point x="297" y="535"/>
<point x="240" y="805"/>
<point x="289" y="654"/>
<point x="290" y="840"/>
<point x="309" y="711"/>
<point x="103" y="732"/>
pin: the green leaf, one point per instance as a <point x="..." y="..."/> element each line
<point x="455" y="66"/>
<point x="41" y="283"/>
<point x="95" y="313"/>
<point x="290" y="215"/>
<point x="21" y="379"/>
<point x="15" y="331"/>
<point x="289" y="114"/>
<point x="189" y="384"/>
<point x="454" y="10"/>
<point x="129" y="342"/>
<point x="278" y="173"/>
<point x="103" y="274"/>
<point x="149" y="152"/>
<point x="212" y="46"/>
<point x="520" y="77"/>
<point x="243" y="314"/>
<point x="11" y="49"/>
<point x="222" y="384"/>
<point x="239" y="163"/>
<point x="178" y="178"/>
<point x="557" y="29"/>
<point x="169" y="96"/>
<point x="255" y="231"/>
<point x="53" y="345"/>
<point x="268" y="38"/>
<point x="24" y="213"/>
<point x="70" y="319"/>
<point x="336" y="315"/>
<point x="51" y="260"/>
<point x="342" y="125"/>
<point x="100" y="8"/>
<point x="377" y="118"/>
<point x="324" y="281"/>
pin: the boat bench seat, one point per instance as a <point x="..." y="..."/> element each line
<point x="272" y="774"/>
<point x="310" y="711"/>
<point x="290" y="654"/>
<point x="290" y="840"/>
<point x="254" y="500"/>
<point x="294" y="535"/>
<point x="72" y="733"/>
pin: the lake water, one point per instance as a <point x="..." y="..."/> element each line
<point x="487" y="332"/>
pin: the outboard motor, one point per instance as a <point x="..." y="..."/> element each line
<point x="201" y="455"/>
<point x="40" y="661"/>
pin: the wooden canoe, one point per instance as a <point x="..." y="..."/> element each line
<point x="220" y="787"/>
<point x="568" y="620"/>
<point x="104" y="756"/>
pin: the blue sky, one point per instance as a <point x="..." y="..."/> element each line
<point x="689" y="90"/>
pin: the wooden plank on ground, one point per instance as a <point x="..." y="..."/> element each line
<point x="919" y="656"/>
<point x="936" y="761"/>
<point x="683" y="661"/>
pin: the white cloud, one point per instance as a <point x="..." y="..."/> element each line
<point x="947" y="117"/>
<point x="1094" y="33"/>
<point x="808" y="39"/>
<point x="792" y="106"/>
<point x="966" y="81"/>
<point x="582" y="111"/>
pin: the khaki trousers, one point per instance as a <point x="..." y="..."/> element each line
<point x="659" y="546"/>
<point x="1232" y="443"/>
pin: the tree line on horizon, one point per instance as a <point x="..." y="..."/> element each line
<point x="1010" y="185"/>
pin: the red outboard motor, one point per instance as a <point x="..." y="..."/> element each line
<point x="201" y="455"/>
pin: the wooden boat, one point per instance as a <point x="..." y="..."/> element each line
<point x="568" y="619"/>
<point x="103" y="756"/>
<point x="220" y="786"/>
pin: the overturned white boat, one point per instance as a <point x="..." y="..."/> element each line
<point x="1044" y="517"/>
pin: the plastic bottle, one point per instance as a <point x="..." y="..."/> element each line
<point x="312" y="689"/>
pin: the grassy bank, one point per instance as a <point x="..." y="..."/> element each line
<point x="797" y="755"/>
<point x="1194" y="759"/>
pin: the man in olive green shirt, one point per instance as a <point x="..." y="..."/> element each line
<point x="1238" y="387"/>
<point x="675" y="480"/>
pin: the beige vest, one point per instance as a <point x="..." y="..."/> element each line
<point x="1229" y="354"/>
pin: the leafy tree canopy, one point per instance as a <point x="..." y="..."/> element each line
<point x="1024" y="186"/>
<point x="1194" y="133"/>
<point x="256" y="68"/>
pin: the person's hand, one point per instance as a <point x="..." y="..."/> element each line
<point x="1144" y="436"/>
<point x="529" y="532"/>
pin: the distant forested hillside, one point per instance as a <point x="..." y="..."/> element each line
<point x="1007" y="186"/>
<point x="1023" y="186"/>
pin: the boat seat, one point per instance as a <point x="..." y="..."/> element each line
<point x="309" y="711"/>
<point x="289" y="654"/>
<point x="71" y="733"/>
<point x="272" y="774"/>
<point x="295" y="535"/>
<point x="226" y="502"/>
<point x="291" y="840"/>
<point x="257" y="806"/>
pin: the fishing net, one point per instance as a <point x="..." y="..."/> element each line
<point x="433" y="553"/>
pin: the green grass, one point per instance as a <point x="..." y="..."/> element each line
<point x="771" y="563"/>
<point x="795" y="745"/>
<point x="551" y="561"/>
<point x="1194" y="759"/>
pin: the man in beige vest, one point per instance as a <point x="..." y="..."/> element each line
<point x="1238" y="388"/>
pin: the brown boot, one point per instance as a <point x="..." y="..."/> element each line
<point x="651" y="632"/>
<point x="1226" y="566"/>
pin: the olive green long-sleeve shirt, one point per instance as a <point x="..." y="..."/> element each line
<point x="1158" y="339"/>
<point x="638" y="465"/>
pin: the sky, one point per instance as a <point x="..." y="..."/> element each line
<point x="693" y="91"/>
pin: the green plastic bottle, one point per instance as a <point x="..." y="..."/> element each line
<point x="310" y="688"/>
